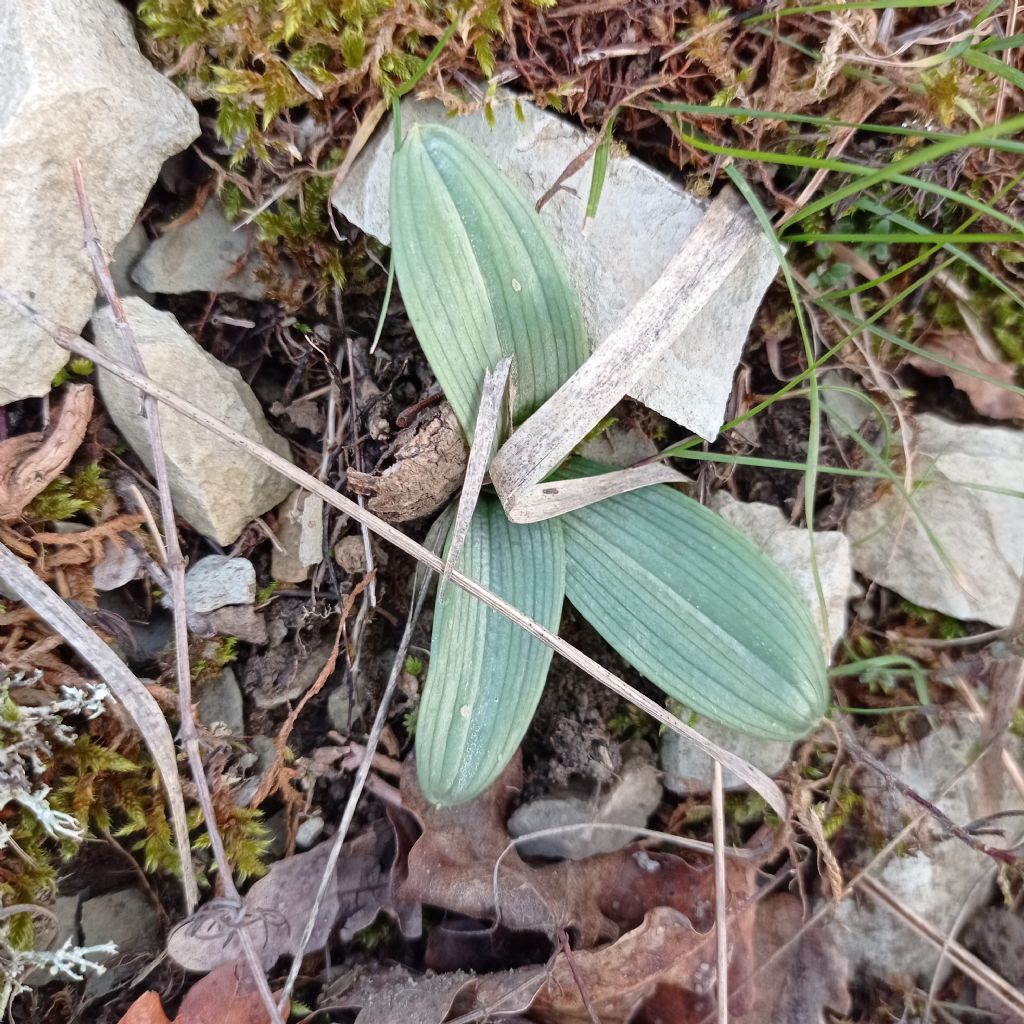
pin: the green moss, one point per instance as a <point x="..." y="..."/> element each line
<point x="66" y="497"/>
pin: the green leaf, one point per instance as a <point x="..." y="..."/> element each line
<point x="480" y="277"/>
<point x="694" y="606"/>
<point x="486" y="674"/>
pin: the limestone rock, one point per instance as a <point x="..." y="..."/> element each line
<point x="215" y="487"/>
<point x="73" y="84"/>
<point x="205" y="254"/>
<point x="300" y="527"/>
<point x="689" y="770"/>
<point x="220" y="701"/>
<point x="936" y="876"/>
<point x="216" y="581"/>
<point x="631" y="802"/>
<point x="980" y="532"/>
<point x="127" y="919"/>
<point x="789" y="547"/>
<point x="642" y="221"/>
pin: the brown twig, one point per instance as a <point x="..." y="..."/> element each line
<point x="945" y="822"/>
<point x="175" y="565"/>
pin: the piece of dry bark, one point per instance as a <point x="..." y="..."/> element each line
<point x="430" y="462"/>
<point x="29" y="462"/>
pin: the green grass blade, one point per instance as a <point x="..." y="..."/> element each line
<point x="752" y="113"/>
<point x="487" y="674"/>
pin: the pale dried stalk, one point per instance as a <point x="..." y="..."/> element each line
<point x="419" y="595"/>
<point x="488" y="419"/>
<point x="721" y="914"/>
<point x="714" y="249"/>
<point x="753" y="777"/>
<point x="144" y="711"/>
<point x="175" y="566"/>
<point x="965" y="961"/>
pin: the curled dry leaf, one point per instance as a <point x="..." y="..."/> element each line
<point x="451" y="865"/>
<point x="665" y="960"/>
<point x="800" y="973"/>
<point x="429" y="464"/>
<point x="988" y="398"/>
<point x="29" y="462"/>
<point x="278" y="905"/>
<point x="399" y="994"/>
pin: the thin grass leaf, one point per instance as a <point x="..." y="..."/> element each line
<point x="694" y="606"/>
<point x="752" y="113"/>
<point x="868" y="177"/>
<point x="487" y="674"/>
<point x="993" y="66"/>
<point x="814" y="403"/>
<point x="854" y="5"/>
<point x="599" y="173"/>
<point x="480" y="277"/>
<point x="880" y="210"/>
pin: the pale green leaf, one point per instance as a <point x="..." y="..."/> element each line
<point x="694" y="606"/>
<point x="486" y="674"/>
<point x="479" y="275"/>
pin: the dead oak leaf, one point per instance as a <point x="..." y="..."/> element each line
<point x="664" y="959"/>
<point x="801" y="972"/>
<point x="278" y="905"/>
<point x="451" y="864"/>
<point x="227" y="995"/>
<point x="29" y="462"/>
<point x="988" y="398"/>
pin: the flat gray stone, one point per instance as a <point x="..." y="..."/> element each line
<point x="216" y="487"/>
<point x="642" y="221"/>
<point x="689" y="770"/>
<point x="119" y="565"/>
<point x="127" y="919"/>
<point x="309" y="832"/>
<point x="220" y="701"/>
<point x="631" y="802"/>
<point x="122" y="263"/>
<point x="66" y="909"/>
<point x="300" y="526"/>
<point x="205" y="254"/>
<point x="789" y="547"/>
<point x="939" y="878"/>
<point x="73" y="84"/>
<point x="216" y="581"/>
<point x="980" y="532"/>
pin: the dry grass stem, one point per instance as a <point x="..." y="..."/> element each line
<point x="175" y="566"/>
<point x="752" y="776"/>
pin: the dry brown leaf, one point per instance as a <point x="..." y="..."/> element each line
<point x="451" y="865"/>
<point x="988" y="399"/>
<point x="28" y="463"/>
<point x="665" y="960"/>
<point x="278" y="905"/>
<point x="147" y="1009"/>
<point x="399" y="994"/>
<point x="805" y="978"/>
<point x="227" y="995"/>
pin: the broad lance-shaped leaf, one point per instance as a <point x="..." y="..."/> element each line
<point x="480" y="277"/>
<point x="693" y="605"/>
<point x="486" y="674"/>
